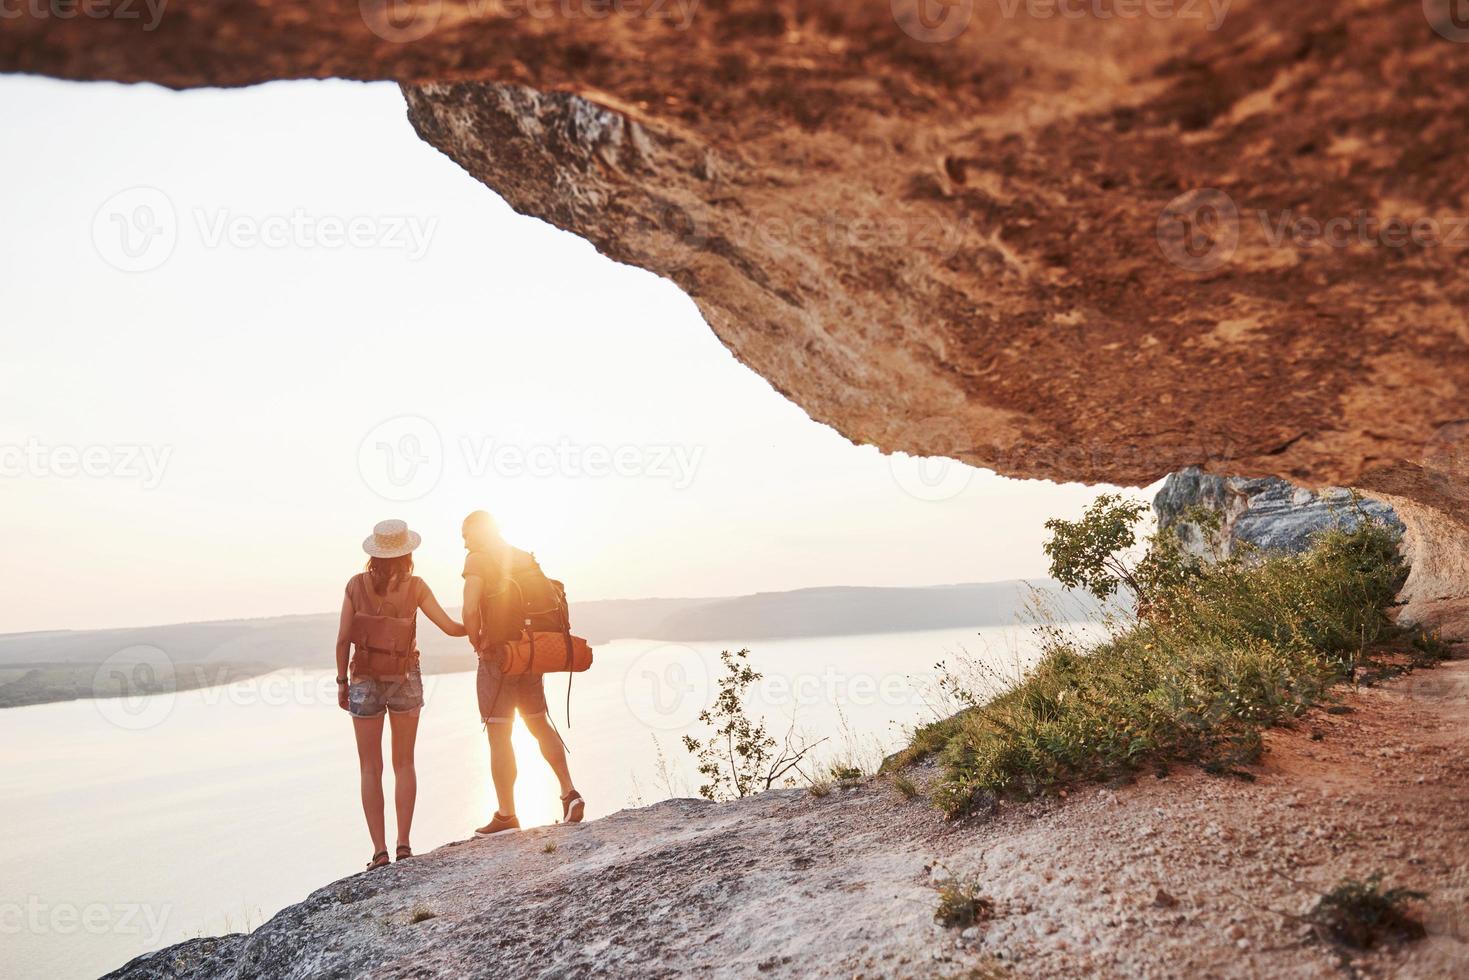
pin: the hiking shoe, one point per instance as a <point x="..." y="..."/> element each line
<point x="572" y="807"/>
<point x="498" y="824"/>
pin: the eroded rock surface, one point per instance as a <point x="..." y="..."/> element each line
<point x="1192" y="875"/>
<point x="1263" y="512"/>
<point x="1089" y="247"/>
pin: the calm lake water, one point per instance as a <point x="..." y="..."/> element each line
<point x="131" y="824"/>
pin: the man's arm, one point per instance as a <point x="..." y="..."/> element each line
<point x="473" y="586"/>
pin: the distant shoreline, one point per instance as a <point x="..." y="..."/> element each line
<point x="64" y="665"/>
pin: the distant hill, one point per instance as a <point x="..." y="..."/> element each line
<point x="833" y="611"/>
<point x="63" y="664"/>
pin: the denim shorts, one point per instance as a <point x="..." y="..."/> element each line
<point x="369" y="697"/>
<point x="500" y="696"/>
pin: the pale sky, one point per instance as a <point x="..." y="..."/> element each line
<point x="240" y="327"/>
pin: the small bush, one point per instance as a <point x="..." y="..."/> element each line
<point x="1223" y="652"/>
<point x="1360" y="914"/>
<point x="421" y="913"/>
<point x="905" y="786"/>
<point x="846" y="775"/>
<point x="962" y="904"/>
<point x="820" y="787"/>
<point x="1430" y="646"/>
<point x="549" y="847"/>
<point x="739" y="757"/>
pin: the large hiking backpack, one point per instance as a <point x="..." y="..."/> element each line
<point x="519" y="597"/>
<point x="528" y="620"/>
<point x="527" y="617"/>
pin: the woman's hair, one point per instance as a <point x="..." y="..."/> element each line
<point x="382" y="571"/>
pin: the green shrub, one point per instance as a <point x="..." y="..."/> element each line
<point x="962" y="904"/>
<point x="739" y="757"/>
<point x="1221" y="652"/>
<point x="1361" y="915"/>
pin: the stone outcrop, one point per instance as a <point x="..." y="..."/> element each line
<point x="1057" y="241"/>
<point x="1263" y="512"/>
<point x="789" y="886"/>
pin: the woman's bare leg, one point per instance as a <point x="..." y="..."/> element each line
<point x="405" y="777"/>
<point x="370" y="760"/>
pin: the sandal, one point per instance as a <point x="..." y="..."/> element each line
<point x="379" y="860"/>
<point x="404" y="852"/>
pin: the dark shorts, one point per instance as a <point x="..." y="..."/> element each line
<point x="500" y="696"/>
<point x="369" y="697"/>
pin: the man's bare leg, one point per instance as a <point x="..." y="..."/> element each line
<point x="502" y="765"/>
<point x="552" y="751"/>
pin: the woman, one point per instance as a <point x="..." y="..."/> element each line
<point x="378" y="623"/>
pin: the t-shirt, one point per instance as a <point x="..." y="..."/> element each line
<point x="502" y="613"/>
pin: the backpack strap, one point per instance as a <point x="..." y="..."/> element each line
<point x="380" y="604"/>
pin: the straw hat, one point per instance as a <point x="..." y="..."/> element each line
<point x="391" y="539"/>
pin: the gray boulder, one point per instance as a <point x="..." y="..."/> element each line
<point x="1266" y="512"/>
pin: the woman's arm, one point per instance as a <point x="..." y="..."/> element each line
<point x="344" y="645"/>
<point x="436" y="614"/>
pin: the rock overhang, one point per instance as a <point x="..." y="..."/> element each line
<point x="1078" y="246"/>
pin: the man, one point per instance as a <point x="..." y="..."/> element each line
<point x="492" y="617"/>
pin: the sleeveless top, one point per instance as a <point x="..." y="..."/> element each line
<point x="404" y="596"/>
